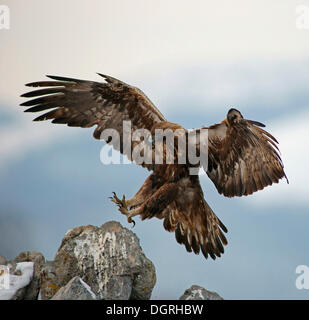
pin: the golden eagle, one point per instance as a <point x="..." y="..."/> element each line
<point x="242" y="157"/>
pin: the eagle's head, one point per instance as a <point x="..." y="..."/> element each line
<point x="234" y="116"/>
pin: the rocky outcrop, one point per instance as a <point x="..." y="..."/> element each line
<point x="109" y="259"/>
<point x="32" y="290"/>
<point x="92" y="262"/>
<point x="15" y="278"/>
<point x="199" y="293"/>
<point x="48" y="281"/>
<point x="75" y="289"/>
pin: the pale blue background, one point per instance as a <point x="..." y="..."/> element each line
<point x="194" y="60"/>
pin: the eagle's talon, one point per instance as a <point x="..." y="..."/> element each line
<point x="120" y="203"/>
<point x="130" y="220"/>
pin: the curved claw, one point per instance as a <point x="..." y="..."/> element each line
<point x="130" y="220"/>
<point x="116" y="200"/>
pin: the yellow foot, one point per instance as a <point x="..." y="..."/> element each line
<point x="122" y="207"/>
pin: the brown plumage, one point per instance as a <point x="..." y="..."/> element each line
<point x="242" y="157"/>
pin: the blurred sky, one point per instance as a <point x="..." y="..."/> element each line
<point x="194" y="60"/>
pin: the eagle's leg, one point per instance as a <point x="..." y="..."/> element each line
<point x="123" y="207"/>
<point x="120" y="203"/>
<point x="127" y="203"/>
<point x="135" y="201"/>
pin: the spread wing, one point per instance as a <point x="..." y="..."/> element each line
<point x="242" y="157"/>
<point x="80" y="103"/>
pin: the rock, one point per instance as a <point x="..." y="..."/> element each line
<point x="2" y="261"/>
<point x="19" y="294"/>
<point x="24" y="286"/>
<point x="199" y="293"/>
<point x="75" y="289"/>
<point x="48" y="281"/>
<point x="109" y="259"/>
<point x="17" y="278"/>
<point x="32" y="290"/>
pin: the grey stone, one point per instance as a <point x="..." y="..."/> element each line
<point x="199" y="293"/>
<point x="32" y="290"/>
<point x="19" y="294"/>
<point x="20" y="279"/>
<point x="48" y="281"/>
<point x="75" y="289"/>
<point x="29" y="292"/>
<point x="2" y="261"/>
<point x="109" y="259"/>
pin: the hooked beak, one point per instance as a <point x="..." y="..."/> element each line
<point x="259" y="124"/>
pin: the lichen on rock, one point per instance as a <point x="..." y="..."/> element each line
<point x="109" y="259"/>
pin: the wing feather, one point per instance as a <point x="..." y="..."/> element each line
<point x="195" y="225"/>
<point x="81" y="103"/>
<point x="243" y="158"/>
